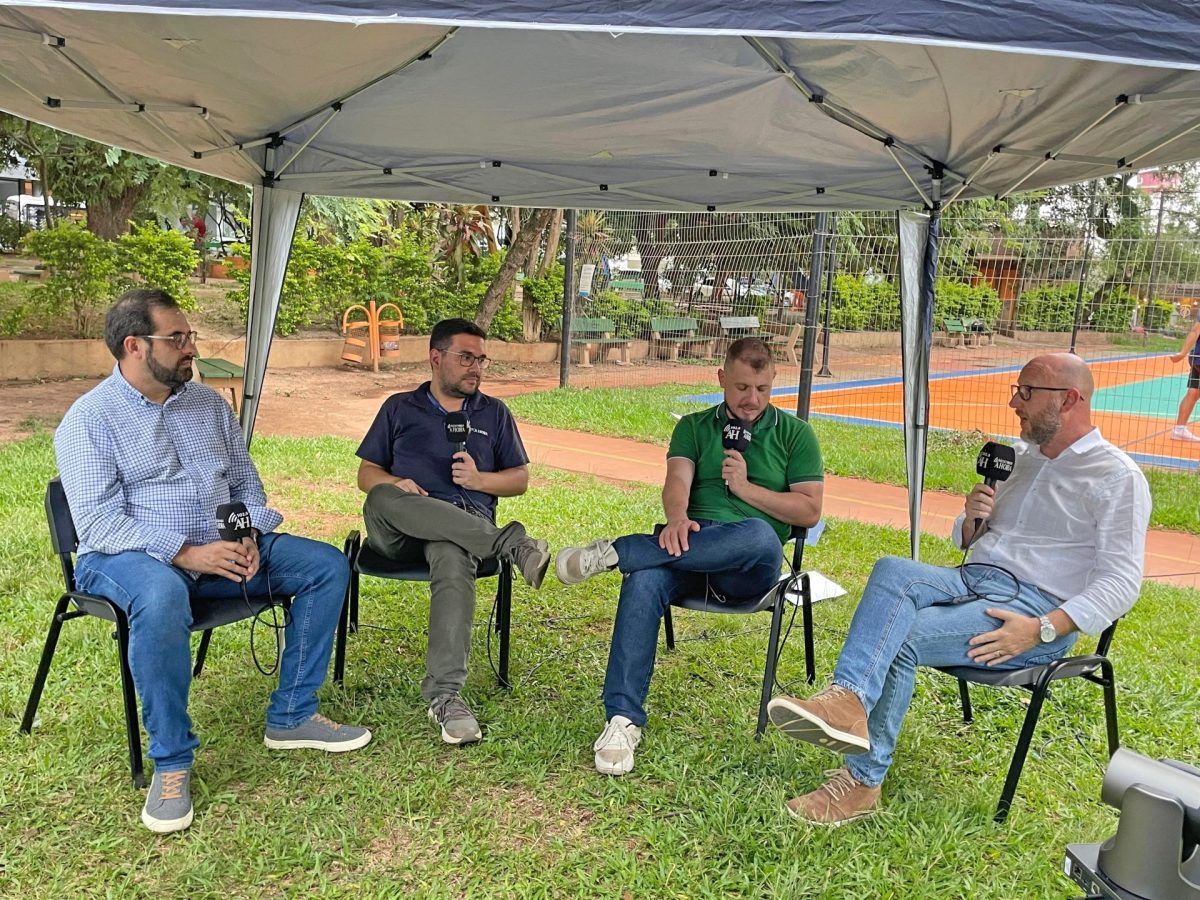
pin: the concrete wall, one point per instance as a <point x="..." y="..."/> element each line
<point x="26" y="360"/>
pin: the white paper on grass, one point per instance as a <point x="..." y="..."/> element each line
<point x="820" y="587"/>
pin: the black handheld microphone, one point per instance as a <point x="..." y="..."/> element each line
<point x="458" y="427"/>
<point x="735" y="436"/>
<point x="994" y="463"/>
<point x="233" y="523"/>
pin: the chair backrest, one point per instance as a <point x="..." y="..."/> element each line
<point x="798" y="535"/>
<point x="1106" y="638"/>
<point x="954" y="326"/>
<point x="673" y="323"/>
<point x="63" y="538"/>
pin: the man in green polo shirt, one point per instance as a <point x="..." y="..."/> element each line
<point x="728" y="512"/>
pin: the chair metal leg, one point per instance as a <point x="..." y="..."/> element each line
<point x="964" y="693"/>
<point x="201" y="653"/>
<point x="129" y="698"/>
<point x="1109" y="684"/>
<point x="1021" y="751"/>
<point x="504" y="619"/>
<point x="810" y="661"/>
<point x="769" y="668"/>
<point x="353" y="622"/>
<point x="339" y="640"/>
<point x="39" y="680"/>
<point x="669" y="629"/>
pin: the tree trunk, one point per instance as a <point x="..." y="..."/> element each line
<point x="521" y="247"/>
<point x="108" y="217"/>
<point x="552" y="239"/>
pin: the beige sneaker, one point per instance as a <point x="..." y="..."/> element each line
<point x="839" y="800"/>
<point x="576" y="564"/>
<point x="614" y="748"/>
<point x="834" y="719"/>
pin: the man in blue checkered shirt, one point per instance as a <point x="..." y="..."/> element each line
<point x="145" y="458"/>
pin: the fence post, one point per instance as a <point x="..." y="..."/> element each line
<point x="564" y="346"/>
<point x="812" y="307"/>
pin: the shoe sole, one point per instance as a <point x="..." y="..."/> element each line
<point x="328" y="746"/>
<point x="166" y="826"/>
<point x="800" y="817"/>
<point x="616" y="770"/>
<point x="800" y="724"/>
<point x="448" y="738"/>
<point x="560" y="569"/>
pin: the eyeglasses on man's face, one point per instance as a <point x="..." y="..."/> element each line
<point x="466" y="360"/>
<point x="1025" y="391"/>
<point x="178" y="339"/>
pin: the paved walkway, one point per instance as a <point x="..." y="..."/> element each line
<point x="1171" y="556"/>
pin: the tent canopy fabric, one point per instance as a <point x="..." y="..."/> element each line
<point x="658" y="105"/>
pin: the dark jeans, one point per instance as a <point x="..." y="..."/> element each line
<point x="736" y="559"/>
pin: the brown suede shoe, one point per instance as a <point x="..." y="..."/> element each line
<point x="839" y="800"/>
<point x="834" y="719"/>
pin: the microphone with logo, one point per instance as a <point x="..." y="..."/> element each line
<point x="458" y="428"/>
<point x="735" y="436"/>
<point x="994" y="463"/>
<point x="233" y="524"/>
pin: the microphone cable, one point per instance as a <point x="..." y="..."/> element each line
<point x="257" y="616"/>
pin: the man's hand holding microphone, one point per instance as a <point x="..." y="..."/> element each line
<point x="234" y="556"/>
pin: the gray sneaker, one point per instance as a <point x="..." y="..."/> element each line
<point x="169" y="802"/>
<point x="532" y="558"/>
<point x="454" y="717"/>
<point x="576" y="564"/>
<point x="318" y="733"/>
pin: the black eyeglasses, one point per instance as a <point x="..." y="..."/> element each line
<point x="1026" y="390"/>
<point x="179" y="339"/>
<point x="466" y="360"/>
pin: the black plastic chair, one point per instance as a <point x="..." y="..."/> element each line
<point x="1095" y="667"/>
<point x="772" y="601"/>
<point x="206" y="615"/>
<point x="365" y="561"/>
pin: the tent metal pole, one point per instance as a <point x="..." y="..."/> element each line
<point x="1083" y="271"/>
<point x="564" y="345"/>
<point x="824" y="372"/>
<point x="812" y="308"/>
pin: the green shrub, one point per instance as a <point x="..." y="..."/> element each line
<point x="1157" y="315"/>
<point x="81" y="268"/>
<point x="17" y="308"/>
<point x="1115" y="312"/>
<point x="631" y="317"/>
<point x="1050" y="307"/>
<point x="157" y="257"/>
<point x="860" y="306"/>
<point x="546" y="295"/>
<point x="966" y="301"/>
<point x="11" y="232"/>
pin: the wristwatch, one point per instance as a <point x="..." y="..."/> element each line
<point x="1047" y="632"/>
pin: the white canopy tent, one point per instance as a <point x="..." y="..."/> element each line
<point x="679" y="105"/>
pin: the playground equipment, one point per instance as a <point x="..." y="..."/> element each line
<point x="371" y="337"/>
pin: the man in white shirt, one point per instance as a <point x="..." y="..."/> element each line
<point x="1056" y="549"/>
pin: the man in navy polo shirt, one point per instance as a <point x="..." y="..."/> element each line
<point x="728" y="512"/>
<point x="427" y="501"/>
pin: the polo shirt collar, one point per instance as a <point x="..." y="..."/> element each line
<point x="769" y="418"/>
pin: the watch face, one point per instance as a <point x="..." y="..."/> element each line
<point x="1048" y="632"/>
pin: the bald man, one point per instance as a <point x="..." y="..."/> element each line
<point x="1055" y="549"/>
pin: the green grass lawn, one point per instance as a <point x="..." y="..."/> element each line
<point x="853" y="451"/>
<point x="523" y="814"/>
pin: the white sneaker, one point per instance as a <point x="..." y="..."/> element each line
<point x="576" y="564"/>
<point x="614" y="748"/>
<point x="1181" y="433"/>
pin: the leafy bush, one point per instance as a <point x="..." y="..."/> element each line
<point x="966" y="301"/>
<point x="16" y="308"/>
<point x="158" y="257"/>
<point x="860" y="306"/>
<point x="1157" y="315"/>
<point x="546" y="295"/>
<point x="11" y="232"/>
<point x="1115" y="312"/>
<point x="1050" y="307"/>
<point x="631" y="317"/>
<point x="82" y="269"/>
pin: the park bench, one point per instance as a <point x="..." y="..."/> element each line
<point x="595" y="335"/>
<point x="37" y="273"/>
<point x="221" y="374"/>
<point x="783" y="342"/>
<point x="673" y="333"/>
<point x="954" y="331"/>
<point x="734" y="328"/>
<point x="979" y="330"/>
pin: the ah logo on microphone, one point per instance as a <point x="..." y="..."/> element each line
<point x="735" y="436"/>
<point x="233" y="521"/>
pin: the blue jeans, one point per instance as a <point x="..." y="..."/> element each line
<point x="157" y="598"/>
<point x="912" y="614"/>
<point x="736" y="559"/>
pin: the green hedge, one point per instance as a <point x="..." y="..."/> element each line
<point x="1052" y="308"/>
